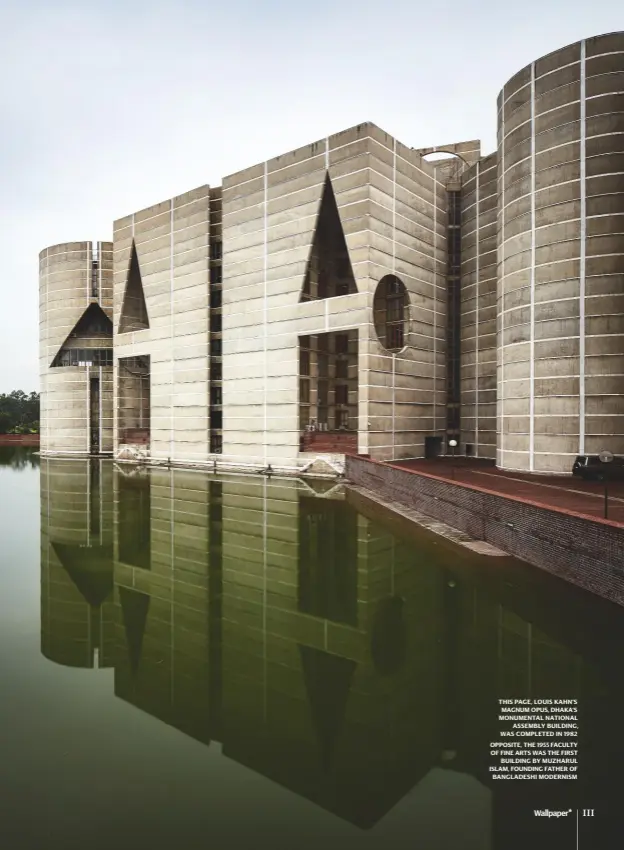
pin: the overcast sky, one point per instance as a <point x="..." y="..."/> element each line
<point x="109" y="107"/>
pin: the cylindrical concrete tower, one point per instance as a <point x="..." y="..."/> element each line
<point x="76" y="348"/>
<point x="560" y="300"/>
<point x="77" y="610"/>
<point x="478" y="308"/>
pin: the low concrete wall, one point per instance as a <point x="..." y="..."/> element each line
<point x="19" y="439"/>
<point x="586" y="551"/>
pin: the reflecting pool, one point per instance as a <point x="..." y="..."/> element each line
<point x="191" y="660"/>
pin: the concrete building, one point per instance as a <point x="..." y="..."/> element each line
<point x="354" y="296"/>
<point x="75" y="348"/>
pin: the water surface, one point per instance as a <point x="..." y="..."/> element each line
<point x="192" y="660"/>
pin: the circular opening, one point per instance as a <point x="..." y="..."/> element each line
<point x="390" y="312"/>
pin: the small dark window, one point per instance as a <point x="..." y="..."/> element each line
<point x="216" y="250"/>
<point x="469" y="450"/>
<point x="215" y="347"/>
<point x="216" y="274"/>
<point x="342" y="344"/>
<point x="103" y="357"/>
<point x="216" y="370"/>
<point x="323" y="365"/>
<point x="342" y="419"/>
<point x="216" y="444"/>
<point x="216" y="299"/>
<point x="304" y="362"/>
<point x="342" y="368"/>
<point x="216" y="395"/>
<point x="342" y="394"/>
<point x="304" y="392"/>
<point x="95" y="266"/>
<point x="215" y="323"/>
<point x="216" y="420"/>
<point x="394" y="336"/>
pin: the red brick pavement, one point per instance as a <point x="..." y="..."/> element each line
<point x="572" y="495"/>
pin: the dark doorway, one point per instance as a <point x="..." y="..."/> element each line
<point x="433" y="447"/>
<point x="133" y="400"/>
<point x="328" y="392"/>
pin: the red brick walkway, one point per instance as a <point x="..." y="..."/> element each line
<point x="566" y="493"/>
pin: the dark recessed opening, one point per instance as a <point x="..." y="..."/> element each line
<point x="390" y="312"/>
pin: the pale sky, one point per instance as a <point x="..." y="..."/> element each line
<point x="109" y="107"/>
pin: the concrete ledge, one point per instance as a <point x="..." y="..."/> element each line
<point x="586" y="551"/>
<point x="437" y="527"/>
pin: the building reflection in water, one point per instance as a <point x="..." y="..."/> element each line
<point x="316" y="646"/>
<point x="19" y="457"/>
<point x="77" y="607"/>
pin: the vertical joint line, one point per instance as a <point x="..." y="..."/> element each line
<point x="477" y="272"/>
<point x="264" y="311"/>
<point x="171" y="305"/>
<point x="89" y="503"/>
<point x="532" y="309"/>
<point x="89" y="411"/>
<point x="435" y="302"/>
<point x="172" y="554"/>
<point x="583" y="238"/>
<point x="100" y="415"/>
<point x="264" y="599"/>
<point x="393" y="395"/>
<point x="101" y="481"/>
<point x="394" y="159"/>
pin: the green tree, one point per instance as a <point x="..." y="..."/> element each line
<point x="19" y="412"/>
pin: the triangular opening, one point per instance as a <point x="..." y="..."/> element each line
<point x="90" y="569"/>
<point x="90" y="330"/>
<point x="134" y="310"/>
<point x="328" y="682"/>
<point x="329" y="272"/>
<point x="134" y="608"/>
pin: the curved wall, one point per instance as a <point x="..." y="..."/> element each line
<point x="560" y="298"/>
<point x="478" y="307"/>
<point x="66" y="286"/>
